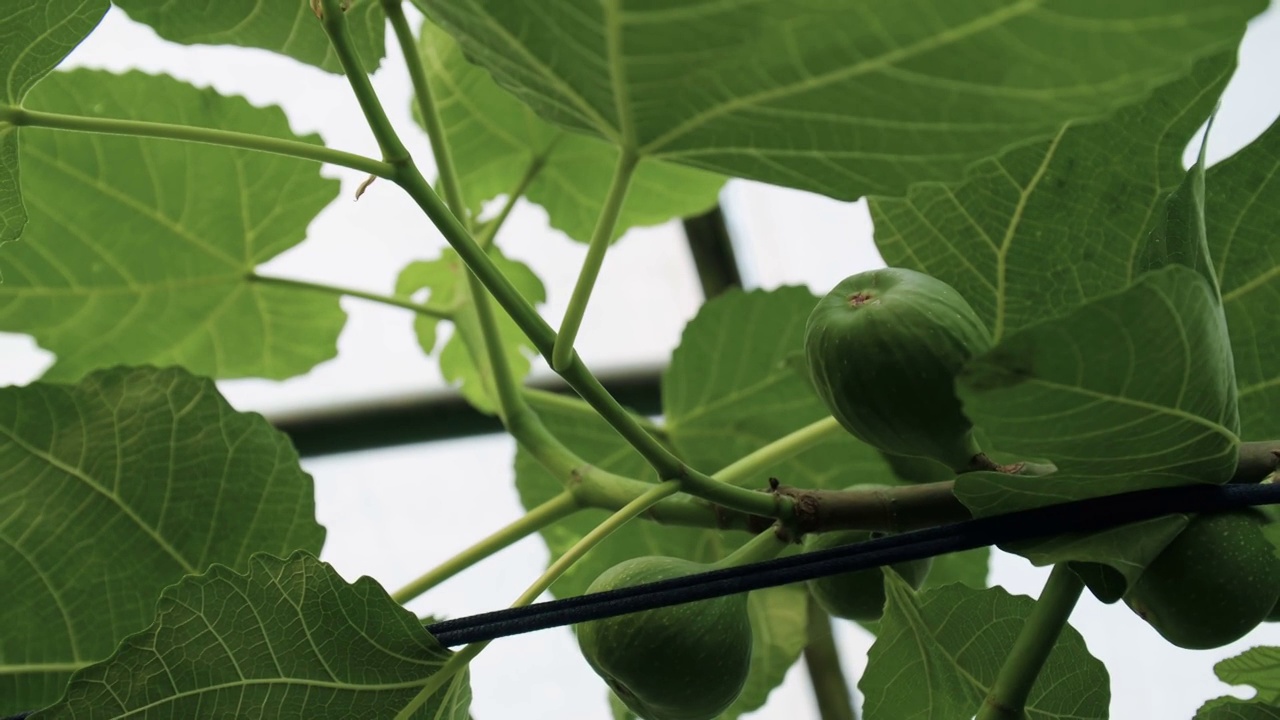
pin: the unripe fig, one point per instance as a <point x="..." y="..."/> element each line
<point x="1213" y="584"/>
<point x="884" y="348"/>
<point x="857" y="595"/>
<point x="685" y="662"/>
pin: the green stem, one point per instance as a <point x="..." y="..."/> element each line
<point x="334" y="19"/>
<point x="601" y="237"/>
<point x="764" y="546"/>
<point x="1008" y="697"/>
<point x="548" y="400"/>
<point x="539" y="586"/>
<point x="426" y="104"/>
<point x="822" y="659"/>
<point x="349" y="292"/>
<point x="488" y="351"/>
<point x="410" y="179"/>
<point x="784" y="448"/>
<point x="491" y="228"/>
<point x="557" y="508"/>
<point x="22" y="117"/>
<point x="505" y="387"/>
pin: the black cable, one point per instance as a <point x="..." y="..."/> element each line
<point x="1079" y="516"/>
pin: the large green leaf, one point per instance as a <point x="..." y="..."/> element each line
<point x="35" y="35"/>
<point x="778" y="617"/>
<point x="496" y="140"/>
<point x="1178" y="234"/>
<point x="445" y="282"/>
<point x="843" y="97"/>
<point x="287" y="639"/>
<point x="939" y="651"/>
<point x="1229" y="708"/>
<point x="1257" y="667"/>
<point x="1133" y="390"/>
<point x="139" y="251"/>
<point x="116" y="488"/>
<point x="1045" y="228"/>
<point x="289" y="28"/>
<point x="1243" y="199"/>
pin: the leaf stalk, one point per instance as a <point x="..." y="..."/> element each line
<point x="21" y="117"/>
<point x="1008" y="697"/>
<point x="601" y="238"/>
<point x="557" y="508"/>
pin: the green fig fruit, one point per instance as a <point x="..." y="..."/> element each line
<point x="883" y="349"/>
<point x="1214" y="583"/>
<point x="857" y="595"/>
<point x="685" y="662"/>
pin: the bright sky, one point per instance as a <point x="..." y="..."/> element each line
<point x="395" y="513"/>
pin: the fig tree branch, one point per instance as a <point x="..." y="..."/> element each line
<point x="410" y="179"/>
<point x="886" y="509"/>
<point x="21" y="117"/>
<point x="475" y="321"/>
<point x="1257" y="461"/>
<point x="449" y="183"/>
<point x="1088" y="515"/>
<point x="332" y="14"/>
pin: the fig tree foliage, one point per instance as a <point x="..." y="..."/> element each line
<point x="1068" y="312"/>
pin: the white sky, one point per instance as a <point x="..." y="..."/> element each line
<point x="393" y="514"/>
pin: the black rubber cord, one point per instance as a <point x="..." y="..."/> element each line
<point x="1079" y="516"/>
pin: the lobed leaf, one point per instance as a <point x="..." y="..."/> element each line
<point x="288" y="28"/>
<point x="286" y="639"/>
<point x="1134" y="390"/>
<point x="35" y="35"/>
<point x="1044" y="228"/>
<point x="116" y="488"/>
<point x="496" y="141"/>
<point x="1257" y="667"/>
<point x="1243" y="200"/>
<point x="844" y="97"/>
<point x="463" y="360"/>
<point x="140" y="251"/>
<point x="1229" y="708"/>
<point x="939" y="652"/>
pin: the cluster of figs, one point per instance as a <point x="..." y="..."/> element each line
<point x="883" y="349"/>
